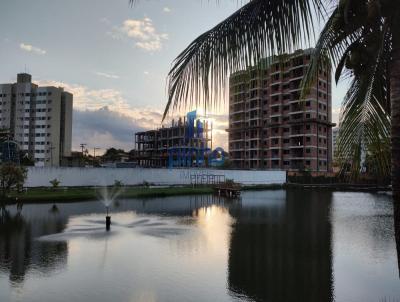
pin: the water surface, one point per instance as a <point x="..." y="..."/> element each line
<point x="268" y="246"/>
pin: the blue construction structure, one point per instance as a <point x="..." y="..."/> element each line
<point x="217" y="157"/>
<point x="192" y="153"/>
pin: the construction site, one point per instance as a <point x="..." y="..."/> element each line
<point x="186" y="143"/>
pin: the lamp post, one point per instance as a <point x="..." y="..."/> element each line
<point x="83" y="145"/>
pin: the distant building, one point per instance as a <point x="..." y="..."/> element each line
<point x="39" y="119"/>
<point x="270" y="127"/>
<point x="74" y="160"/>
<point x="183" y="144"/>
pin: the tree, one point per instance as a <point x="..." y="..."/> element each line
<point x="113" y="154"/>
<point x="11" y="176"/>
<point x="26" y="159"/>
<point x="361" y="38"/>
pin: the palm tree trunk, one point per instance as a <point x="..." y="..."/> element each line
<point x="395" y="120"/>
<point x="395" y="112"/>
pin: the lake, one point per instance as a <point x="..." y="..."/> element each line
<point x="293" y="245"/>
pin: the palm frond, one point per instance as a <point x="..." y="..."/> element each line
<point x="257" y="30"/>
<point x="364" y="119"/>
<point x="333" y="44"/>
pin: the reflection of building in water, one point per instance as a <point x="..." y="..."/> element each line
<point x="274" y="256"/>
<point x="19" y="251"/>
<point x="171" y="206"/>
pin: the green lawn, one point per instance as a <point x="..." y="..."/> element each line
<point x="77" y="194"/>
<point x="89" y="193"/>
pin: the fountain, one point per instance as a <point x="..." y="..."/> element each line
<point x="107" y="196"/>
<point x="108" y="220"/>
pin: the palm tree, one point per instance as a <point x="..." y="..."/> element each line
<point x="360" y="38"/>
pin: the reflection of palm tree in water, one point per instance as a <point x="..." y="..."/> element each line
<point x="275" y="256"/>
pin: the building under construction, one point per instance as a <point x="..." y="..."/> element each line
<point x="184" y="144"/>
<point x="271" y="126"/>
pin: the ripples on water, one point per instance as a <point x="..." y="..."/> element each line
<point x="269" y="246"/>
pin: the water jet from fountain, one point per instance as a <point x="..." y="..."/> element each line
<point x="107" y="195"/>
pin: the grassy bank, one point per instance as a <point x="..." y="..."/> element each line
<point x="71" y="194"/>
<point x="79" y="194"/>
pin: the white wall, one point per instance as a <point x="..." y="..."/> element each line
<point x="40" y="177"/>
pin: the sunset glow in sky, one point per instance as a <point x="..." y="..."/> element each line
<point x="114" y="58"/>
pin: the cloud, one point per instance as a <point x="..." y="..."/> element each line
<point x="105" y="20"/>
<point x="107" y="75"/>
<point x="142" y="32"/>
<point x="335" y="115"/>
<point x="103" y="128"/>
<point x="104" y="118"/>
<point x="33" y="49"/>
<point x="166" y="10"/>
<point x="146" y="72"/>
<point x="219" y="125"/>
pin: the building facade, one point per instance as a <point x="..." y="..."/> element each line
<point x="335" y="133"/>
<point x="183" y="144"/>
<point x="39" y="119"/>
<point x="270" y="127"/>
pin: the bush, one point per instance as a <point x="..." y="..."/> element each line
<point x="55" y="183"/>
<point x="118" y="183"/>
<point x="146" y="184"/>
<point x="12" y="177"/>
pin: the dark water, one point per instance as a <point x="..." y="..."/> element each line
<point x="269" y="246"/>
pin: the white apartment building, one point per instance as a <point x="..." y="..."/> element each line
<point x="38" y="118"/>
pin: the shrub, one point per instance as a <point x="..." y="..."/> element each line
<point x="118" y="183"/>
<point x="55" y="183"/>
<point x="12" y="176"/>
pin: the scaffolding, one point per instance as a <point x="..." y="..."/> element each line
<point x="184" y="144"/>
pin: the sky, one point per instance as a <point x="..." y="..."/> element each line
<point x="113" y="57"/>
